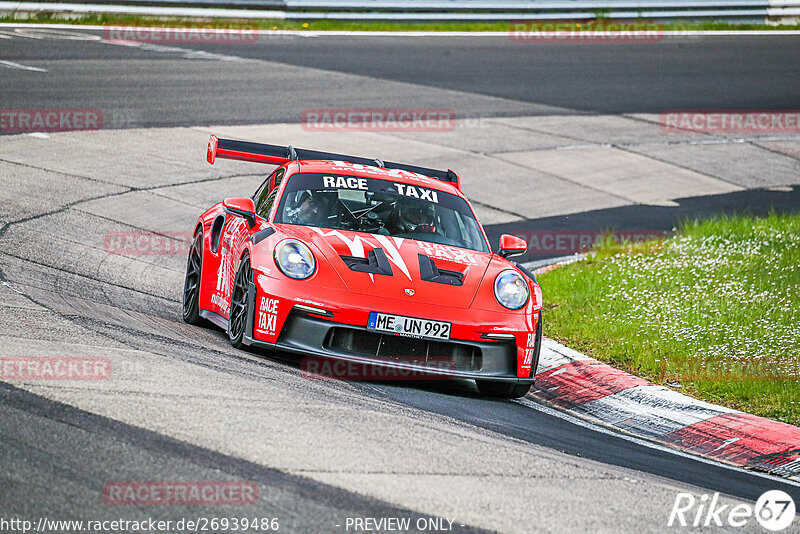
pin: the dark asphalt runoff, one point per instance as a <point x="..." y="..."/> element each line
<point x="160" y="89"/>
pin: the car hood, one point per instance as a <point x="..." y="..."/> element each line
<point x="355" y="258"/>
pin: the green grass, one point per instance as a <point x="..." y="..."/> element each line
<point x="329" y="25"/>
<point x="714" y="311"/>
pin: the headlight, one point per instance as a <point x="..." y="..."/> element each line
<point x="294" y="259"/>
<point x="511" y="290"/>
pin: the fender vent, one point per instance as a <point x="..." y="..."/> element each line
<point x="430" y="273"/>
<point x="376" y="262"/>
<point x="216" y="232"/>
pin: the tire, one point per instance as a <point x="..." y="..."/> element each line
<point x="505" y="390"/>
<point x="191" y="286"/>
<point x="237" y="320"/>
<point x="502" y="390"/>
<point x="538" y="349"/>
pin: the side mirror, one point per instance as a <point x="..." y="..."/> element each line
<point x="511" y="245"/>
<point x="241" y="207"/>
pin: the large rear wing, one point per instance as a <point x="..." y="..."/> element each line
<point x="277" y="155"/>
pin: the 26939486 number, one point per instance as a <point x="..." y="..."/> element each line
<point x="237" y="524"/>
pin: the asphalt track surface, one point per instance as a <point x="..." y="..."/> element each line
<point x="691" y="72"/>
<point x="188" y="407"/>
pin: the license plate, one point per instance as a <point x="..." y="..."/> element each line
<point x="408" y="326"/>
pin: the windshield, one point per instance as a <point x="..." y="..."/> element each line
<point x="380" y="207"/>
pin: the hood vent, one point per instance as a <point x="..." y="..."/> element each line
<point x="376" y="262"/>
<point x="430" y="273"/>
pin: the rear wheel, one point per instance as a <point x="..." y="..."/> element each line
<point x="191" y="287"/>
<point x="237" y="321"/>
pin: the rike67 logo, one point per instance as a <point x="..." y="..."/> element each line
<point x="774" y="510"/>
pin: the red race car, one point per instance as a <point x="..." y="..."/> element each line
<point x="373" y="263"/>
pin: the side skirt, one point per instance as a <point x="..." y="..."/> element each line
<point x="215" y="318"/>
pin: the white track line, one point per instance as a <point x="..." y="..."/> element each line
<point x="187" y="53"/>
<point x="12" y="65"/>
<point x="55" y="33"/>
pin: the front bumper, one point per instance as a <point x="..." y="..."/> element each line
<point x="307" y="334"/>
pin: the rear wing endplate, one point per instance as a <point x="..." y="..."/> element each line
<point x="278" y="155"/>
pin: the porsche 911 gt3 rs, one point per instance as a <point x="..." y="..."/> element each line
<point x="354" y="259"/>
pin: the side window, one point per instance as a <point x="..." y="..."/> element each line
<point x="262" y="208"/>
<point x="262" y="192"/>
<point x="278" y="177"/>
<point x="265" y="195"/>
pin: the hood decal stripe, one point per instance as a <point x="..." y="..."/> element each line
<point x="394" y="253"/>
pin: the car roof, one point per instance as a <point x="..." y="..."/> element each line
<point x="366" y="171"/>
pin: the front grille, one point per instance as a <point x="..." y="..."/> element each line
<point x="400" y="349"/>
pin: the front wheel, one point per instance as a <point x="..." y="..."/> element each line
<point x="505" y="390"/>
<point x="502" y="390"/>
<point x="538" y="350"/>
<point x="237" y="320"/>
